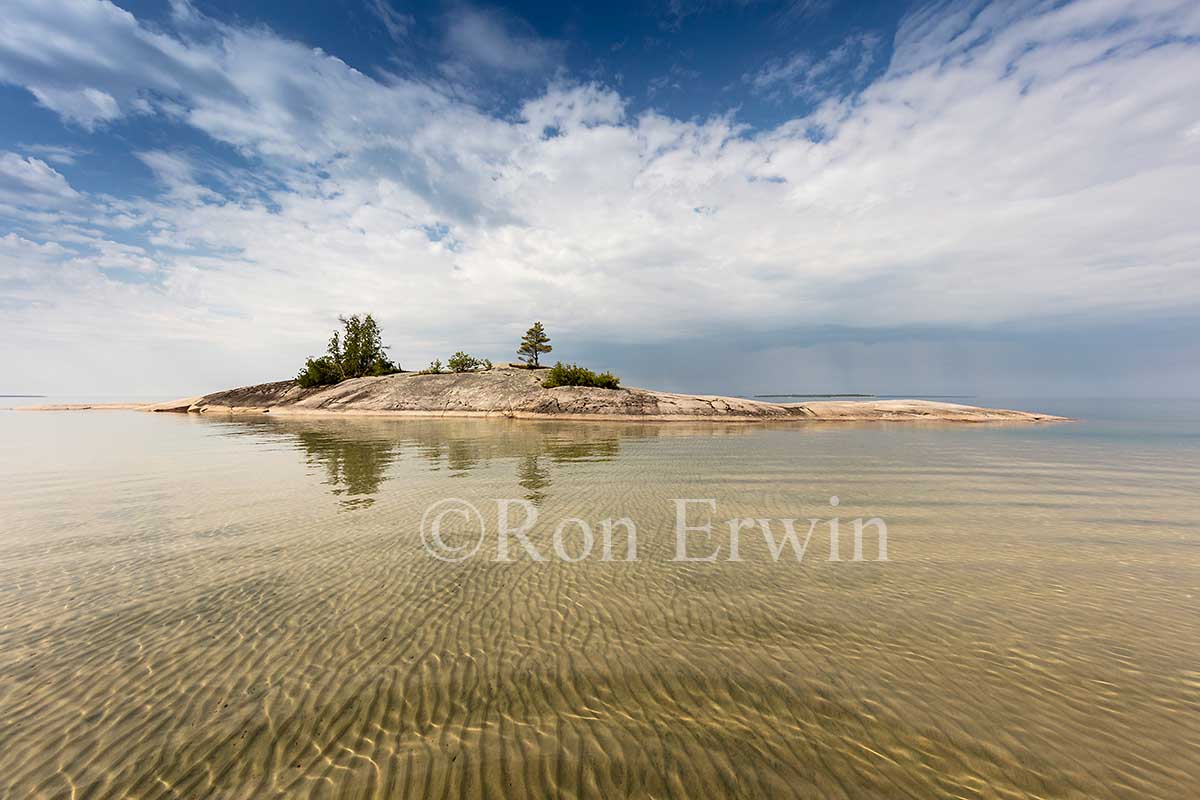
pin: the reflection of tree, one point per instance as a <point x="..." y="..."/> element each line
<point x="462" y="455"/>
<point x="357" y="453"/>
<point x="355" y="467"/>
<point x="533" y="477"/>
<point x="461" y="446"/>
<point x="596" y="450"/>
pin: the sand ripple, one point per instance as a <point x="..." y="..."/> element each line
<point x="244" y="610"/>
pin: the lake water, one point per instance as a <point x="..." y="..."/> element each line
<point x="205" y="607"/>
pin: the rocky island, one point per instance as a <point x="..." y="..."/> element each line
<point x="514" y="392"/>
<point x="356" y="376"/>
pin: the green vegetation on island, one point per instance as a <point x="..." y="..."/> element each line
<point x="534" y="343"/>
<point x="358" y="351"/>
<point x="355" y="352"/>
<point x="462" y="362"/>
<point x="459" y="362"/>
<point x="574" y="375"/>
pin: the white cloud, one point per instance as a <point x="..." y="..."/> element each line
<point x="1011" y="166"/>
<point x="676" y="12"/>
<point x="178" y="175"/>
<point x="86" y="106"/>
<point x="55" y="154"/>
<point x="802" y="75"/>
<point x="677" y="78"/>
<point x="91" y="62"/>
<point x="395" y="23"/>
<point x="13" y="245"/>
<point x="32" y="182"/>
<point x="494" y="40"/>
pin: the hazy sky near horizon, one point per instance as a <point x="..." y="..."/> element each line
<point x="777" y="195"/>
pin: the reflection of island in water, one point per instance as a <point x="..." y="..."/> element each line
<point x="357" y="454"/>
<point x="354" y="468"/>
<point x="533" y="477"/>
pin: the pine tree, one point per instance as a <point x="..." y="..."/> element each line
<point x="534" y="343"/>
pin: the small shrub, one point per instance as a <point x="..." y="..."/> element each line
<point x="435" y="368"/>
<point x="574" y="375"/>
<point x="319" y="372"/>
<point x="462" y="362"/>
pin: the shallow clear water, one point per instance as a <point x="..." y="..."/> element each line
<point x="200" y="607"/>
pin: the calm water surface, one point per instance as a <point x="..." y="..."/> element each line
<point x="199" y="607"/>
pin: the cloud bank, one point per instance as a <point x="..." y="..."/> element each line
<point x="1015" y="165"/>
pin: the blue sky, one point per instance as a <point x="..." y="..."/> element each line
<point x="955" y="197"/>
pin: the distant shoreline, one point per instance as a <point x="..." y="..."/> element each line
<point x="805" y="394"/>
<point x="866" y="396"/>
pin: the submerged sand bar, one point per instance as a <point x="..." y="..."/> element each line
<point x="518" y="393"/>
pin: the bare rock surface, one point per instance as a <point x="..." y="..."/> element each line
<point x="519" y="393"/>
<point x="913" y="411"/>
